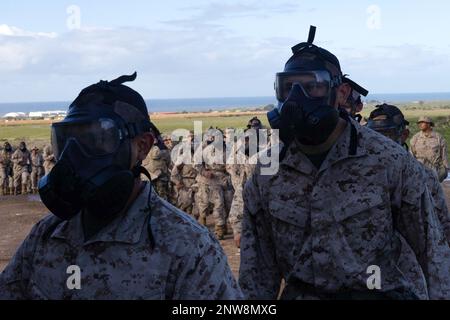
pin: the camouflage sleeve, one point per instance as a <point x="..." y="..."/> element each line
<point x="14" y="279"/>
<point x="207" y="276"/>
<point x="440" y="205"/>
<point x="237" y="211"/>
<point x="444" y="152"/>
<point x="413" y="146"/>
<point x="419" y="225"/>
<point x="175" y="176"/>
<point x="259" y="276"/>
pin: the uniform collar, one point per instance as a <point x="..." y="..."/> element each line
<point x="297" y="160"/>
<point x="432" y="134"/>
<point x="126" y="228"/>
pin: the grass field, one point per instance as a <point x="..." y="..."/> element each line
<point x="39" y="132"/>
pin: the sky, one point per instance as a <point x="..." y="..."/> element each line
<point x="50" y="50"/>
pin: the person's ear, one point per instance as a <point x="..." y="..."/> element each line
<point x="342" y="94"/>
<point x="144" y="143"/>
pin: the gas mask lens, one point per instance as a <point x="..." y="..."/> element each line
<point x="316" y="84"/>
<point x="97" y="138"/>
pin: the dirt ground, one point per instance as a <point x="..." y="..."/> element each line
<point x="18" y="215"/>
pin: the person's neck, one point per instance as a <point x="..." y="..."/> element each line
<point x="93" y="224"/>
<point x="328" y="144"/>
<point x="428" y="132"/>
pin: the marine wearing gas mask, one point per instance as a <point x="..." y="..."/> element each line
<point x="92" y="146"/>
<point x="306" y="96"/>
<point x="354" y="104"/>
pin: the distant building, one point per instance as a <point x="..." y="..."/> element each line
<point x="47" y="115"/>
<point x="15" y="116"/>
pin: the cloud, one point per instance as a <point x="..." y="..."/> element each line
<point x="174" y="63"/>
<point x="192" y="62"/>
<point x="12" y="31"/>
<point x="400" y="68"/>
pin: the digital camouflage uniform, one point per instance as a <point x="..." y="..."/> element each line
<point x="240" y="173"/>
<point x="154" y="251"/>
<point x="438" y="196"/>
<point x="184" y="175"/>
<point x="322" y="230"/>
<point x="21" y="160"/>
<point x="157" y="163"/>
<point x="49" y="159"/>
<point x="211" y="193"/>
<point x="37" y="169"/>
<point x="6" y="182"/>
<point x="430" y="149"/>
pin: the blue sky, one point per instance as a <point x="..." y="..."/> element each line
<point x="184" y="49"/>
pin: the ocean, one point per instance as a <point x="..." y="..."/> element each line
<point x="207" y="104"/>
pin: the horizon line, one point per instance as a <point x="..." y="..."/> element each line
<point x="227" y="97"/>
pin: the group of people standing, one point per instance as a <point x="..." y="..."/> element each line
<point x="201" y="189"/>
<point x="21" y="169"/>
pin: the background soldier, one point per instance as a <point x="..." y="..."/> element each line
<point x="354" y="105"/>
<point x="183" y="178"/>
<point x="37" y="169"/>
<point x="390" y="122"/>
<point x="430" y="148"/>
<point x="211" y="181"/>
<point x="240" y="173"/>
<point x="21" y="159"/>
<point x="157" y="163"/>
<point x="49" y="159"/>
<point x="6" y="182"/>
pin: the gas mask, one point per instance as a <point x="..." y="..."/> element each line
<point x="8" y="147"/>
<point x="307" y="112"/>
<point x="389" y="121"/>
<point x="92" y="146"/>
<point x="306" y="94"/>
<point x="22" y="146"/>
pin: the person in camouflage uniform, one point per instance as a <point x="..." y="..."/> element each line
<point x="6" y="181"/>
<point x="149" y="250"/>
<point x="37" y="169"/>
<point x="211" y="182"/>
<point x="430" y="148"/>
<point x="240" y="172"/>
<point x="49" y="159"/>
<point x="157" y="163"/>
<point x="183" y="177"/>
<point x="21" y="159"/>
<point x="337" y="211"/>
<point x="390" y="122"/>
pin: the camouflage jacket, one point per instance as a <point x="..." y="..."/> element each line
<point x="323" y="230"/>
<point x="154" y="251"/>
<point x="438" y="196"/>
<point x="215" y="164"/>
<point x="37" y="160"/>
<point x="184" y="173"/>
<point x="21" y="158"/>
<point x="430" y="150"/>
<point x="5" y="158"/>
